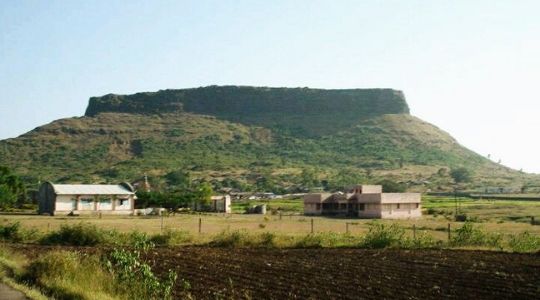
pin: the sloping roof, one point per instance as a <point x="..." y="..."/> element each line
<point x="91" y="189"/>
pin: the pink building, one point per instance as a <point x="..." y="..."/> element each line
<point x="365" y="201"/>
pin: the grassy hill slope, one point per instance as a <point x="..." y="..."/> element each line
<point x="114" y="146"/>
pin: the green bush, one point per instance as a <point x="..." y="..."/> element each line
<point x="325" y="239"/>
<point x="139" y="240"/>
<point x="524" y="242"/>
<point x="71" y="275"/>
<point x="268" y="240"/>
<point x="310" y="241"/>
<point x="12" y="232"/>
<point x="172" y="237"/>
<point x="232" y="239"/>
<point x="422" y="241"/>
<point x="431" y="211"/>
<point x="383" y="236"/>
<point x="82" y="234"/>
<point x="137" y="278"/>
<point x="469" y="235"/>
<point x="241" y="238"/>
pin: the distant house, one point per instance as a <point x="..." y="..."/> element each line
<point x="365" y="201"/>
<point x="217" y="204"/>
<point x="221" y="203"/>
<point x="65" y="199"/>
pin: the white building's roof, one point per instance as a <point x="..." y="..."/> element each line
<point x="91" y="189"/>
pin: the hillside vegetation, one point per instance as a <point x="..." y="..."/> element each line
<point x="252" y="139"/>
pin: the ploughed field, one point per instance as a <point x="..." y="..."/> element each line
<point x="351" y="273"/>
<point x="338" y="273"/>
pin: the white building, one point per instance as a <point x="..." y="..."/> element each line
<point x="75" y="199"/>
<point x="221" y="203"/>
<point x="365" y="201"/>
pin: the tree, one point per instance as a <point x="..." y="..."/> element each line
<point x="309" y="178"/>
<point x="7" y="198"/>
<point x="390" y="186"/>
<point x="178" y="179"/>
<point x="204" y="193"/>
<point x="12" y="189"/>
<point x="461" y="175"/>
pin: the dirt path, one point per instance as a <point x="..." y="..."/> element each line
<point x="8" y="293"/>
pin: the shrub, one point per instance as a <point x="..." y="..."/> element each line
<point x="82" y="234"/>
<point x="423" y="240"/>
<point x="469" y="235"/>
<point x="172" y="237"/>
<point x="136" y="277"/>
<point x="382" y="236"/>
<point x="268" y="240"/>
<point x="461" y="218"/>
<point x="232" y="239"/>
<point x="70" y="275"/>
<point x="310" y="241"/>
<point x="325" y="239"/>
<point x="390" y="186"/>
<point x="432" y="211"/>
<point x="140" y="240"/>
<point x="524" y="242"/>
<point x="241" y="238"/>
<point x="11" y="232"/>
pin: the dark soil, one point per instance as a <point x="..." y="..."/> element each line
<point x="217" y="273"/>
<point x="352" y="273"/>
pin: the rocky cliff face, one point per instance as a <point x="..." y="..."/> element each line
<point x="301" y="111"/>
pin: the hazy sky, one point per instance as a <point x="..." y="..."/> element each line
<point x="470" y="67"/>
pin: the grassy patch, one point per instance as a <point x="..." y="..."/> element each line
<point x="241" y="238"/>
<point x="471" y="235"/>
<point x="71" y="275"/>
<point x="81" y="234"/>
<point x="524" y="242"/>
<point x="172" y="237"/>
<point x="11" y="271"/>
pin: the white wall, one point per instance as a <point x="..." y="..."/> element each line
<point x="104" y="204"/>
<point x="126" y="204"/>
<point x="405" y="211"/>
<point x="65" y="203"/>
<point x="84" y="205"/>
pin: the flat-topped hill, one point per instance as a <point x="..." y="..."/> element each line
<point x="251" y="138"/>
<point x="301" y="111"/>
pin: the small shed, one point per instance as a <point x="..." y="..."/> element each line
<point x="75" y="199"/>
<point x="220" y="203"/>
